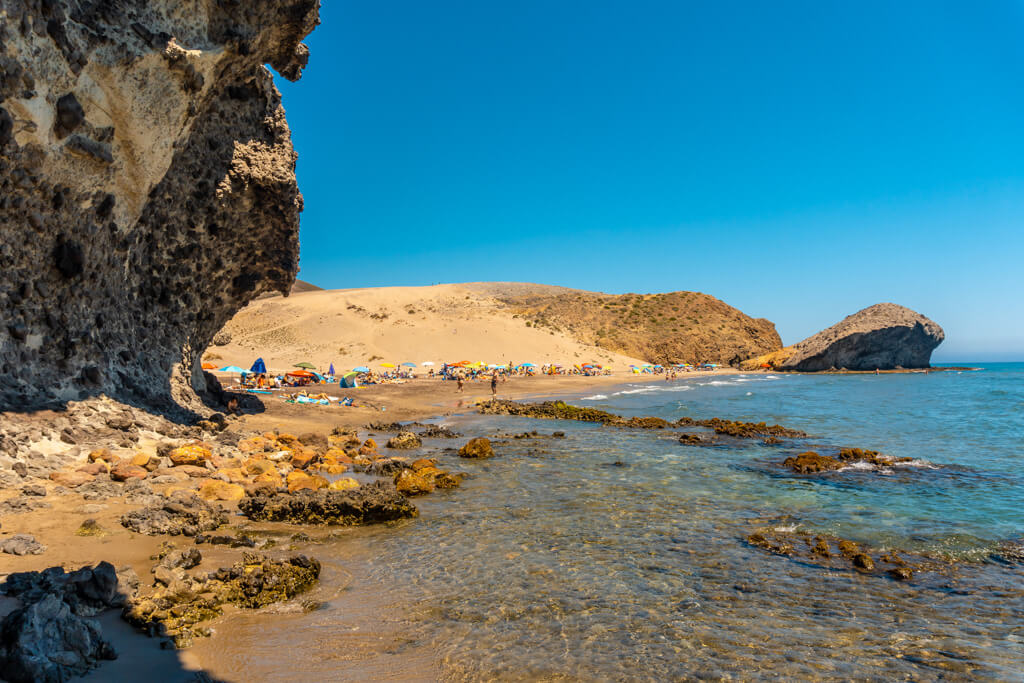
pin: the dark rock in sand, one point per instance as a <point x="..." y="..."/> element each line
<point x="375" y="502"/>
<point x="45" y="642"/>
<point x="182" y="513"/>
<point x="883" y="336"/>
<point x="86" y="591"/>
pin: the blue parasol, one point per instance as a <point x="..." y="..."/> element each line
<point x="330" y="370"/>
<point x="361" y="368"/>
<point x="259" y="367"/>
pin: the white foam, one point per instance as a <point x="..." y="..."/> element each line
<point x="595" y="397"/>
<point x="787" y="529"/>
<point x="750" y="393"/>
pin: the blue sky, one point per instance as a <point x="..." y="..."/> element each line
<point x="799" y="160"/>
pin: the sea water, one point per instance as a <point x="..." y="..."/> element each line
<point x="615" y="554"/>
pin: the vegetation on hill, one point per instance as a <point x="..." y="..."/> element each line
<point x="674" y="327"/>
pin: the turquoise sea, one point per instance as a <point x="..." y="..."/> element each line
<point x="621" y="555"/>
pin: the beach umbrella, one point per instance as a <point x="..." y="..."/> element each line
<point x="330" y="370"/>
<point x="259" y="367"/>
<point x="301" y="373"/>
<point x="407" y="364"/>
<point x="647" y="365"/>
<point x="209" y="366"/>
<point x="232" y="368"/>
<point x="361" y="368"/>
<point x="387" y="365"/>
<point x="305" y="365"/>
<point x="527" y="365"/>
<point x="429" y="362"/>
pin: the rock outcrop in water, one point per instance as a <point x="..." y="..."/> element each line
<point x="147" y="188"/>
<point x="880" y="337"/>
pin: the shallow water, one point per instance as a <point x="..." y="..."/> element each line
<point x="553" y="562"/>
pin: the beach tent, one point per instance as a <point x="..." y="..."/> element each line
<point x="319" y="377"/>
<point x="232" y="368"/>
<point x="259" y="367"/>
<point x="387" y="365"/>
<point x="209" y="366"/>
<point x="361" y="368"/>
<point x="349" y="381"/>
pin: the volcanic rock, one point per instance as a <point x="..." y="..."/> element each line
<point x="147" y="189"/>
<point x="404" y="441"/>
<point x="480" y="447"/>
<point x="880" y="337"/>
<point x="183" y="513"/>
<point x="375" y="502"/>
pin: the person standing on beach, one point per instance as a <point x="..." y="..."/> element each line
<point x="494" y="385"/>
<point x="458" y="379"/>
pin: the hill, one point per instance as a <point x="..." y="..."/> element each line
<point x="660" y="328"/>
<point x="494" y="322"/>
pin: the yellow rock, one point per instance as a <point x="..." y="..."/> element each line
<point x="102" y="454"/>
<point x="334" y="468"/>
<point x="253" y="444"/>
<point x="411" y="483"/>
<point x="214" y="489"/>
<point x="145" y="460"/>
<point x="190" y="454"/>
<point x="235" y="474"/>
<point x="343" y="484"/>
<point x="259" y="466"/>
<point x="298" y="480"/>
<point x="270" y="478"/>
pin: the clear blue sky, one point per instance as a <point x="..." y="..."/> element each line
<point x="799" y="160"/>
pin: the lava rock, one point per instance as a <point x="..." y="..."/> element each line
<point x="379" y="501"/>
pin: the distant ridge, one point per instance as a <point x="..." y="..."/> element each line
<point x="297" y="288"/>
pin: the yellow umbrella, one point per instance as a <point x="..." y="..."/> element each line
<point x="387" y="365"/>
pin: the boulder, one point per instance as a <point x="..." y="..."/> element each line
<point x="45" y="642"/>
<point x="343" y="484"/>
<point x="404" y="441"/>
<point x="190" y="454"/>
<point x="810" y="462"/>
<point x="880" y="337"/>
<point x="124" y="470"/>
<point x="22" y="544"/>
<point x="182" y="513"/>
<point x="480" y="447"/>
<point x="71" y="480"/>
<point x="379" y="501"/>
<point x="219" y="490"/>
<point x="410" y="483"/>
<point x="298" y="480"/>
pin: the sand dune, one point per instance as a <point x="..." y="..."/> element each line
<point x="352" y="327"/>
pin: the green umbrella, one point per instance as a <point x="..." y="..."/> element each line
<point x="305" y="365"/>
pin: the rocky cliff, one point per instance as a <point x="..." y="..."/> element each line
<point x="883" y="337"/>
<point x="147" y="188"/>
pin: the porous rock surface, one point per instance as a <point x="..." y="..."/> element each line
<point x="147" y="188"/>
<point x="883" y="336"/>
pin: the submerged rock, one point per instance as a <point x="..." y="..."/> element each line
<point x="480" y="447"/>
<point x="379" y="501"/>
<point x="404" y="441"/>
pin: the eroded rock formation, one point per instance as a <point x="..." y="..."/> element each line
<point x="147" y="188"/>
<point x="879" y="337"/>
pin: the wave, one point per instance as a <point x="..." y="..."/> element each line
<point x="595" y="397"/>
